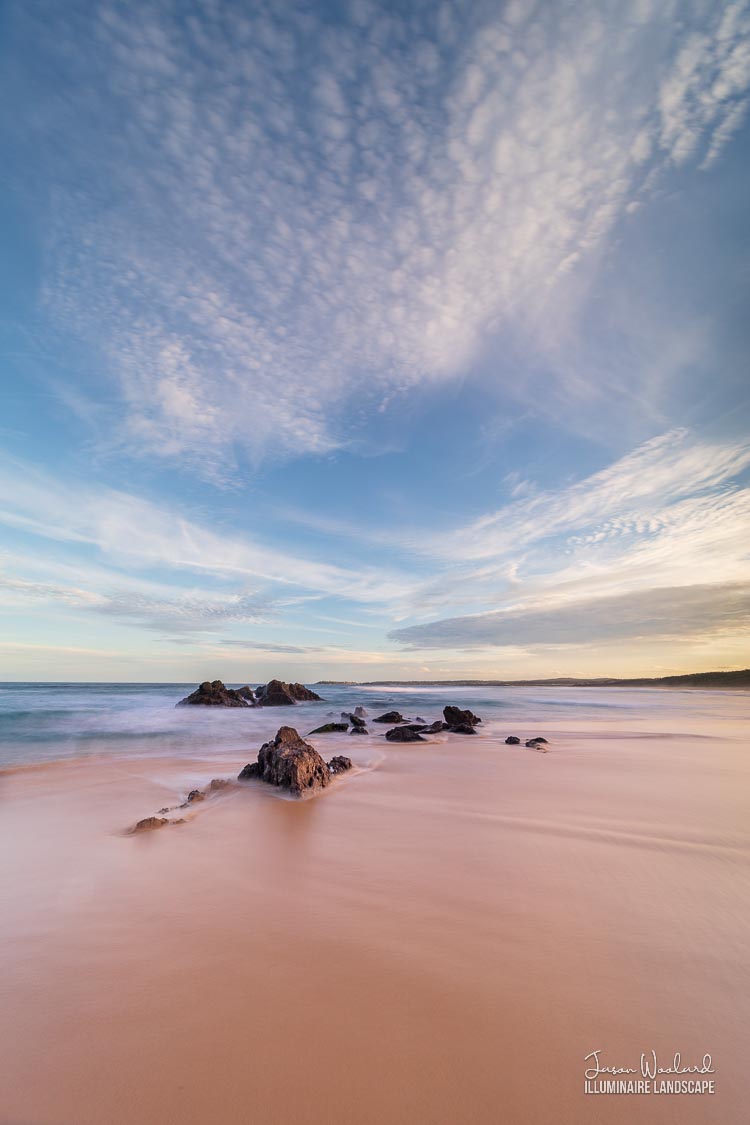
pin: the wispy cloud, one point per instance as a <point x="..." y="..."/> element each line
<point x="616" y="554"/>
<point x="132" y="532"/>
<point x="308" y="214"/>
<point x="668" y="613"/>
<point x="631" y="493"/>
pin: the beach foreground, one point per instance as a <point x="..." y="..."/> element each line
<point x="442" y="937"/>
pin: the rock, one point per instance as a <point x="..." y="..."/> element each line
<point x="195" y="795"/>
<point x="536" y="741"/>
<point x="340" y="764"/>
<point x="252" y="769"/>
<point x="218" y="783"/>
<point x="290" y="763"/>
<point x="356" y="721"/>
<point x="360" y="712"/>
<point x="389" y="717"/>
<point x="460" y="722"/>
<point x="403" y="734"/>
<point x="419" y="719"/>
<point x="215" y="694"/>
<point x="150" y="822"/>
<point x="434" y="728"/>
<point x="304" y="694"/>
<point x="276" y="693"/>
<point x="511" y="740"/>
<point x="330" y="728"/>
<point x="358" y="730"/>
<point x="248" y="694"/>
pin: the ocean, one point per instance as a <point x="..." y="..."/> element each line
<point x="44" y="722"/>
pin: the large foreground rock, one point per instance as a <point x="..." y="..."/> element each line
<point x="290" y="763"/>
<point x="215" y="694"/>
<point x="276" y="693"/>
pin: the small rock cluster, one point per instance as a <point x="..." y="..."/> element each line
<point x="275" y="693"/>
<point x="531" y="743"/>
<point x="194" y="797"/>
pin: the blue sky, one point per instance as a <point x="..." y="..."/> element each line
<point x="363" y="340"/>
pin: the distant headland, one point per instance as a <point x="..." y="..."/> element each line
<point x="716" y="681"/>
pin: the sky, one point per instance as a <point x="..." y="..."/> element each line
<point x="373" y="340"/>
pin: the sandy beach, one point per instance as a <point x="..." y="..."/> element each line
<point x="442" y="937"/>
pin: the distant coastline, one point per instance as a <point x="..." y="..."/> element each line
<point x="716" y="681"/>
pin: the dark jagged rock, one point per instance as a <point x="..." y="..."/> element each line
<point x="330" y="728"/>
<point x="276" y="693"/>
<point x="434" y="728"/>
<point x="340" y="764"/>
<point x="304" y="694"/>
<point x="358" y="730"/>
<point x="215" y="694"/>
<point x="248" y="694"/>
<point x="195" y="795"/>
<point x="389" y="717"/>
<point x="356" y="721"/>
<point x="290" y="763"/>
<point x="536" y="741"/>
<point x="403" y="734"/>
<point x="456" y="718"/>
<point x="511" y="740"/>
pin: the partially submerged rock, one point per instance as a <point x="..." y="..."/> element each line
<point x="536" y="741"/>
<point x="460" y="722"/>
<point x="289" y="762"/>
<point x="389" y="717"/>
<point x="215" y="694"/>
<point x="340" y="764"/>
<point x="403" y="734"/>
<point x="356" y="720"/>
<point x="360" y="712"/>
<point x="276" y="693"/>
<point x="358" y="730"/>
<point x="195" y="795"/>
<point x="248" y="694"/>
<point x="150" y="822"/>
<point x="511" y="740"/>
<point x="330" y="728"/>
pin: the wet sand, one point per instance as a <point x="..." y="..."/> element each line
<point x="440" y="939"/>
